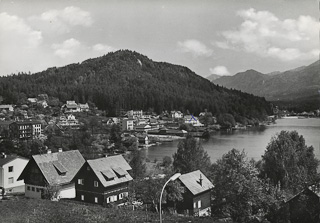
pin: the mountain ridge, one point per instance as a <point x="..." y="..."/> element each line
<point x="128" y="80"/>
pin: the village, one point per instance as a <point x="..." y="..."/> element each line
<point x="72" y="151"/>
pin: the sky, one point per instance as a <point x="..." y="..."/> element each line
<point x="208" y="36"/>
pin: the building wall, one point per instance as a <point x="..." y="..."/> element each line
<point x="1" y="177"/>
<point x="18" y="166"/>
<point x="34" y="191"/>
<point x="205" y="199"/>
<point x="89" y="193"/>
<point x="67" y="191"/>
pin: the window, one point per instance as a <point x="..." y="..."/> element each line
<point x="80" y="181"/>
<point x="38" y="190"/>
<point x="32" y="188"/>
<point x="194" y="204"/>
<point x="199" y="204"/>
<point x="10" y="169"/>
<point x="88" y="167"/>
<point x="82" y="197"/>
<point x="95" y="200"/>
<point x="120" y="196"/>
<point x="115" y="197"/>
<point x="108" y="200"/>
<point x="95" y="183"/>
<point x="10" y="180"/>
<point x="28" y="187"/>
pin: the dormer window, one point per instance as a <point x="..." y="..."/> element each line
<point x="60" y="168"/>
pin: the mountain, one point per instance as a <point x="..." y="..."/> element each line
<point x="296" y="85"/>
<point x="129" y="80"/>
<point x="213" y="77"/>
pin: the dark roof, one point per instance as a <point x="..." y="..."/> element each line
<point x="192" y="182"/>
<point x="111" y="170"/>
<point x="61" y="167"/>
<point x="71" y="105"/>
<point x="27" y="122"/>
<point x="9" y="158"/>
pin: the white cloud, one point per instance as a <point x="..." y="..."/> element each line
<point x="264" y="34"/>
<point x="67" y="49"/>
<point x="72" y="50"/>
<point x="61" y="21"/>
<point x="102" y="48"/>
<point x="195" y="47"/>
<point x="220" y="70"/>
<point x="20" y="45"/>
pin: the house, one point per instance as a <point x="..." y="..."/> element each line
<point x="190" y="119"/>
<point x="196" y="194"/>
<point x="176" y="114"/>
<point x="69" y="121"/>
<point x="32" y="100"/>
<point x="71" y="106"/>
<point x="84" y="107"/>
<point x="52" y="170"/>
<point x="127" y="124"/>
<point x="42" y="103"/>
<point x="6" y="108"/>
<point x="304" y="207"/>
<point x="135" y="113"/>
<point x="25" y="129"/>
<point x="103" y="181"/>
<point x="143" y="128"/>
<point x="11" y="167"/>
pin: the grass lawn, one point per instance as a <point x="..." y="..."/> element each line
<point x="21" y="209"/>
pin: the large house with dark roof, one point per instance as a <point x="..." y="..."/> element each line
<point x="25" y="129"/>
<point x="11" y="167"/>
<point x="103" y="181"/>
<point x="196" y="194"/>
<point x="52" y="170"/>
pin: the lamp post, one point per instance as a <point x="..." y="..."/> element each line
<point x="173" y="178"/>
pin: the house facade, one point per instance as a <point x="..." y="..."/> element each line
<point x="25" y="129"/>
<point x="52" y="170"/>
<point x="196" y="194"/>
<point x="103" y="181"/>
<point x="135" y="113"/>
<point x="127" y="125"/>
<point x="176" y="114"/>
<point x="11" y="167"/>
<point x="7" y="108"/>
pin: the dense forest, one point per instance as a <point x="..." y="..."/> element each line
<point x="129" y="80"/>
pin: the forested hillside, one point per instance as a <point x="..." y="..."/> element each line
<point x="129" y="80"/>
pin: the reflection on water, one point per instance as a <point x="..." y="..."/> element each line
<point x="253" y="140"/>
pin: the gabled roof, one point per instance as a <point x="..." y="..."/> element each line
<point x="61" y="167"/>
<point x="192" y="182"/>
<point x="9" y="158"/>
<point x="111" y="170"/>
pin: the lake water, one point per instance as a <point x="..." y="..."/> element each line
<point x="254" y="140"/>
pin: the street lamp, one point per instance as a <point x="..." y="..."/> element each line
<point x="173" y="178"/>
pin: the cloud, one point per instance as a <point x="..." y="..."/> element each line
<point x="220" y="70"/>
<point x="61" y="21"/>
<point x="19" y="44"/>
<point x="67" y="49"/>
<point x="195" y="47"/>
<point x="103" y="48"/>
<point x="264" y="34"/>
<point x="72" y="50"/>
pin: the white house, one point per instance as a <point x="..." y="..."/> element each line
<point x="127" y="124"/>
<point x="176" y="114"/>
<point x="11" y="167"/>
<point x="7" y="108"/>
<point x="52" y="170"/>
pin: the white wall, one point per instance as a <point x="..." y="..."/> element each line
<point x="18" y="166"/>
<point x="68" y="191"/>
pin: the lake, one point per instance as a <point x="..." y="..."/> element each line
<point x="254" y="140"/>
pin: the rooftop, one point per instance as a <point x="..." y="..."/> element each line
<point x="194" y="184"/>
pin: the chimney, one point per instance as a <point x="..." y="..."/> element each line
<point x="48" y="151"/>
<point x="3" y="155"/>
<point x="60" y="150"/>
<point x="200" y="180"/>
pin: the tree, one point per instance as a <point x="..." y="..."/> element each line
<point x="138" y="165"/>
<point x="288" y="161"/>
<point x="238" y="192"/>
<point x="166" y="161"/>
<point x="191" y="156"/>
